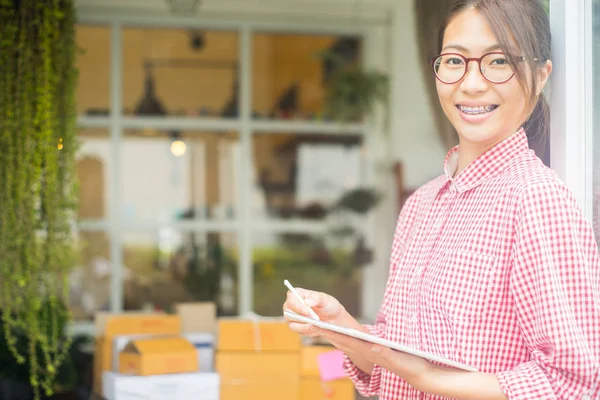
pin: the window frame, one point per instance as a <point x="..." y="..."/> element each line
<point x="244" y="226"/>
<point x="571" y="98"/>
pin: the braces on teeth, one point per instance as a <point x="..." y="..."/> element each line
<point x="476" y="110"/>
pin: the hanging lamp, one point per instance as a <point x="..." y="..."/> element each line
<point x="149" y="104"/>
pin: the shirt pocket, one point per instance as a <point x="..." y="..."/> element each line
<point x="460" y="284"/>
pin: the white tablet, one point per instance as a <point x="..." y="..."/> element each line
<point x="374" y="339"/>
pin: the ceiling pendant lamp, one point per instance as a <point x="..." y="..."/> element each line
<point x="149" y="104"/>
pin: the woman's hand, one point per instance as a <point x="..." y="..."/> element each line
<point x="328" y="308"/>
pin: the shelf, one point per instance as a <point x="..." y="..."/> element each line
<point x="199" y="225"/>
<point x="225" y="125"/>
<point x="292" y="225"/>
<point x="85" y="121"/>
<point x="289" y="226"/>
<point x="182" y="123"/>
<point x="308" y="127"/>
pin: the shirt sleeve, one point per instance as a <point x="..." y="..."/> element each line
<point x="368" y="383"/>
<point x="554" y="284"/>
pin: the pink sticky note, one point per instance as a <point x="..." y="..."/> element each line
<point x="331" y="365"/>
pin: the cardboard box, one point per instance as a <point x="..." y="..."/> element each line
<point x="260" y="335"/>
<point x="205" y="349"/>
<point x="191" y="386"/>
<point x="311" y="386"/>
<point x="314" y="389"/>
<point x="259" y="376"/>
<point x="109" y="325"/>
<point x="158" y="356"/>
<point x="118" y="344"/>
<point x="197" y="317"/>
<point x="308" y="359"/>
<point x="203" y="342"/>
<point x="139" y="324"/>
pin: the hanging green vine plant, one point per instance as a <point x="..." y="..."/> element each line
<point x="37" y="176"/>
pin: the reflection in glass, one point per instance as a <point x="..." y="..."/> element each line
<point x="324" y="263"/>
<point x="169" y="176"/>
<point x="168" y="266"/>
<point x="93" y="64"/>
<point x="180" y="72"/>
<point x="289" y="78"/>
<point x="302" y="176"/>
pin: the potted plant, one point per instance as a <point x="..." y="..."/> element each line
<point x="352" y="92"/>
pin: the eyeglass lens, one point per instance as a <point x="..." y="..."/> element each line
<point x="451" y="68"/>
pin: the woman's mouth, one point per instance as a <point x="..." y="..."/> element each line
<point x="477" y="110"/>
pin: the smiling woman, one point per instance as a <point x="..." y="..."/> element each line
<point x="483" y="101"/>
<point x="493" y="263"/>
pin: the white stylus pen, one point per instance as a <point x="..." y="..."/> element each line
<point x="310" y="310"/>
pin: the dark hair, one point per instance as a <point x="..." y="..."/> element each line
<point x="525" y="23"/>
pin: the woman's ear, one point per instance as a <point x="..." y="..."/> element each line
<point x="543" y="73"/>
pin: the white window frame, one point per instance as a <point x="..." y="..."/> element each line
<point x="245" y="226"/>
<point x="571" y="97"/>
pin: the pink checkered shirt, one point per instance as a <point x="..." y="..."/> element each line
<point x="498" y="269"/>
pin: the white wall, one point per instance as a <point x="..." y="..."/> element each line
<point x="415" y="140"/>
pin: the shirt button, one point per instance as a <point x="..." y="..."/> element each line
<point x="413" y="319"/>
<point x="585" y="397"/>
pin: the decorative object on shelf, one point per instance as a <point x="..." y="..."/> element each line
<point x="37" y="181"/>
<point x="183" y="6"/>
<point x="287" y="103"/>
<point x="353" y="92"/>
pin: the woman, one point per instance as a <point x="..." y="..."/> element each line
<point x="493" y="264"/>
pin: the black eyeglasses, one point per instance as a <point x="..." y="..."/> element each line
<point x="495" y="67"/>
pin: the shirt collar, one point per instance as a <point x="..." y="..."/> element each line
<point x="487" y="165"/>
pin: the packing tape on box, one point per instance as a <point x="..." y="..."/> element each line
<point x="255" y="319"/>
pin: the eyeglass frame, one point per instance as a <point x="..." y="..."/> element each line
<point x="476" y="59"/>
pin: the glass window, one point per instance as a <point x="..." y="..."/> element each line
<point x="93" y="64"/>
<point x="168" y="266"/>
<point x="301" y="176"/>
<point x="290" y="79"/>
<point x="325" y="263"/>
<point x="94" y="160"/>
<point x="89" y="280"/>
<point x="179" y="72"/>
<point x="168" y="176"/>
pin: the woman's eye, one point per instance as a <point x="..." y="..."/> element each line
<point x="454" y="61"/>
<point x="499" y="61"/>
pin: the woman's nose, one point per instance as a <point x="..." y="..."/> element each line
<point x="473" y="80"/>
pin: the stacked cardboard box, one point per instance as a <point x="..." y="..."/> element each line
<point x="111" y="326"/>
<point x="258" y="360"/>
<point x="140" y="355"/>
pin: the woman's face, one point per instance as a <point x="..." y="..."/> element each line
<point x="483" y="113"/>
